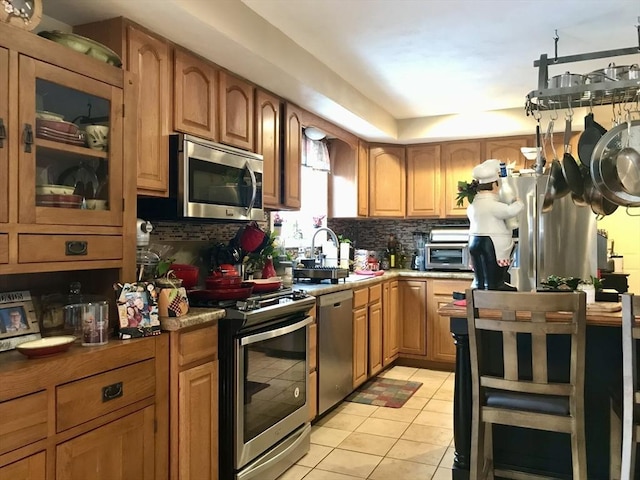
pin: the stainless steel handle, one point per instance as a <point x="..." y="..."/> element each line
<point x="278" y="332"/>
<point x="254" y="188"/>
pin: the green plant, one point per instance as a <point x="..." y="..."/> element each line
<point x="466" y="190"/>
<point x="343" y="239"/>
<point x="255" y="261"/>
<point x="570" y="283"/>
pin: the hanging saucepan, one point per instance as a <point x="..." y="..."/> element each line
<point x="251" y="238"/>
<point x="599" y="205"/>
<point x="570" y="169"/>
<point x="614" y="73"/>
<point x="604" y="167"/>
<point x="593" y="131"/>
<point x="557" y="186"/>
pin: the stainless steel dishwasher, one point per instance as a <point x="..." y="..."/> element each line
<point x="335" y="348"/>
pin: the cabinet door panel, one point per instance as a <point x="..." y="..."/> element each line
<point x="413" y="317"/>
<point x="508" y="150"/>
<point x="292" y="195"/>
<point x="423" y="181"/>
<point x="120" y="450"/>
<point x="4" y="121"/>
<point x="387" y="182"/>
<point x="236" y="111"/>
<point x="4" y="248"/>
<point x="360" y="344"/>
<point x="149" y="60"/>
<point x="458" y="160"/>
<point x="268" y="112"/>
<point x="30" y="468"/>
<point x="375" y="338"/>
<point x="198" y="420"/>
<point x="390" y="330"/>
<point x="363" y="179"/>
<point x="194" y="96"/>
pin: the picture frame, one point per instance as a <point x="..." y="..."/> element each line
<point x="18" y="319"/>
<point x="137" y="305"/>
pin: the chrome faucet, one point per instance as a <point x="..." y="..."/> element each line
<point x="333" y="237"/>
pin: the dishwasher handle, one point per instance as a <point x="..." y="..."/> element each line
<point x="332" y="299"/>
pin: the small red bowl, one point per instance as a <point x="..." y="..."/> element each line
<point x="188" y="274"/>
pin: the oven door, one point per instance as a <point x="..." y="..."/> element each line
<point x="272" y="366"/>
<point x="220" y="181"/>
<point x="447" y="256"/>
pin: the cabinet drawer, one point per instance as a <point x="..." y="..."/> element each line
<point x="447" y="287"/>
<point x="4" y="248"/>
<point x="197" y="344"/>
<point x="24" y="421"/>
<point x="68" y="248"/>
<point x="360" y="297"/>
<point x="375" y="293"/>
<point x="83" y="400"/>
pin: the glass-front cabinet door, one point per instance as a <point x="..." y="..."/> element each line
<point x="4" y="147"/>
<point x="70" y="169"/>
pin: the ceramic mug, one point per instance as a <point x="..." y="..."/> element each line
<point x="97" y="136"/>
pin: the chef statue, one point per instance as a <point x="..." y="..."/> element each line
<point x="490" y="242"/>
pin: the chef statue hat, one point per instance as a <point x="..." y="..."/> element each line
<point x="487" y="172"/>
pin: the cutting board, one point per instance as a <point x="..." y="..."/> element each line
<point x="605" y="307"/>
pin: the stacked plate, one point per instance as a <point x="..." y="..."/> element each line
<point x="60" y="201"/>
<point x="59" y="131"/>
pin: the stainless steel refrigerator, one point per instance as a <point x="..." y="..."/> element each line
<point x="560" y="242"/>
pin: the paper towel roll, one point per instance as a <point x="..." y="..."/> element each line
<point x="344" y="255"/>
<point x="332" y="255"/>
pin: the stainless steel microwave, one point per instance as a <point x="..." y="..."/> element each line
<point x="447" y="256"/>
<point x="208" y="181"/>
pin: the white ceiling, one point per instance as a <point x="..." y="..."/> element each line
<point x="384" y="69"/>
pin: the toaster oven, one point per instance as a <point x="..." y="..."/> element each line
<point x="448" y="249"/>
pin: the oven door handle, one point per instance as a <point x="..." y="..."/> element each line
<point x="254" y="189"/>
<point x="278" y="332"/>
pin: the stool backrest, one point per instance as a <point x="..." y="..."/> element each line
<point x="519" y="318"/>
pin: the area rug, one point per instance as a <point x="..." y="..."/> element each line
<point x="384" y="392"/>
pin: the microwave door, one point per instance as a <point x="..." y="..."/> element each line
<point x="254" y="189"/>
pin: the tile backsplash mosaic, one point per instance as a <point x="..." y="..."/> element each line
<point x="369" y="234"/>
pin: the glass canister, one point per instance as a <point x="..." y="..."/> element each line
<point x="89" y="320"/>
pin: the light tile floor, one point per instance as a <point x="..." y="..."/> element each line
<point x="358" y="441"/>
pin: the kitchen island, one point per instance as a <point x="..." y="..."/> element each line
<point x="541" y="452"/>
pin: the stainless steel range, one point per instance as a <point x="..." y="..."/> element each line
<point x="263" y="404"/>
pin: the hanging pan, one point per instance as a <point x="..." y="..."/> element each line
<point x="557" y="186"/>
<point x="571" y="169"/>
<point x="593" y="131"/>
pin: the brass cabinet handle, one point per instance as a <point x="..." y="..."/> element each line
<point x="27" y="137"/>
<point x="75" y="247"/>
<point x="112" y="391"/>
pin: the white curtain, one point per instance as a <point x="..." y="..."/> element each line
<point x="315" y="154"/>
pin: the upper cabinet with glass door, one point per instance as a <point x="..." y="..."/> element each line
<point x="70" y="168"/>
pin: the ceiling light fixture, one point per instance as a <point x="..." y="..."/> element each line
<point x="313" y="133"/>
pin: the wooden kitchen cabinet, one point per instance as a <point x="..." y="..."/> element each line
<point x="387" y="181"/>
<point x="423" y="181"/>
<point x="236" y="111"/>
<point x="29" y="468"/>
<point x="193" y="381"/>
<point x="57" y="424"/>
<point x="292" y="194"/>
<point x="4" y="147"/>
<point x="360" y="345"/>
<point x="441" y="346"/>
<point x="508" y="150"/>
<point x="390" y="322"/>
<point x="43" y="75"/>
<point x="149" y="58"/>
<point x="375" y="330"/>
<point x="458" y="161"/>
<point x="363" y="179"/>
<point x="195" y="95"/>
<point x="268" y="111"/>
<point x="413" y="318"/>
<point x="106" y="452"/>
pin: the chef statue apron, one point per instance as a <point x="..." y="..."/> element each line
<point x="490" y="240"/>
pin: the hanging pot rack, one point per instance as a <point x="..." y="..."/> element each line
<point x="605" y="92"/>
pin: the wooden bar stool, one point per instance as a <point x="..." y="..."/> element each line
<point x="535" y="402"/>
<point x="625" y="412"/>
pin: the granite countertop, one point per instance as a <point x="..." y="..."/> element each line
<point x="198" y="316"/>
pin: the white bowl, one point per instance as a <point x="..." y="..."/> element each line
<point x="44" y="115"/>
<point x="54" y="190"/>
<point x="93" y="204"/>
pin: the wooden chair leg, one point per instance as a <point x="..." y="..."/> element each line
<point x="488" y="448"/>
<point x="477" y="447"/>
<point x="579" y="452"/>
<point x="615" y="443"/>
